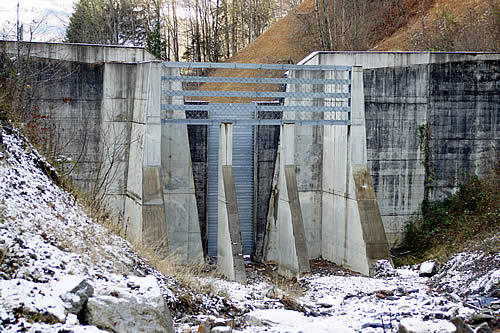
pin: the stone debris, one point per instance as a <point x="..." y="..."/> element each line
<point x="75" y="299"/>
<point x="469" y="273"/>
<point x="384" y="269"/>
<point x="429" y="268"/>
<point x="414" y="325"/>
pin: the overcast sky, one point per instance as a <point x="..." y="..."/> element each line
<point x="48" y="18"/>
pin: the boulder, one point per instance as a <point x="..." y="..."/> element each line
<point x="483" y="328"/>
<point x="125" y="310"/>
<point x="461" y="326"/>
<point x="76" y="297"/>
<point x="428" y="268"/>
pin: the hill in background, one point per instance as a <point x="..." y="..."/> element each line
<point x="429" y="25"/>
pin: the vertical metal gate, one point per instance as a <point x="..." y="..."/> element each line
<point x="325" y="102"/>
<point x="243" y="168"/>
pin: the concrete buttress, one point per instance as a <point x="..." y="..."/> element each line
<point x="293" y="257"/>
<point x="144" y="212"/>
<point x="184" y="235"/>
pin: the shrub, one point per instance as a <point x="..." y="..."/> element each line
<point x="449" y="224"/>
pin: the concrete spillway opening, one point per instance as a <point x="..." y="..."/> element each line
<point x="265" y="181"/>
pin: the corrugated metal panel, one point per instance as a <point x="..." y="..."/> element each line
<point x="212" y="185"/>
<point x="243" y="177"/>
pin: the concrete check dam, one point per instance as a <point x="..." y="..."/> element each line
<point x="329" y="164"/>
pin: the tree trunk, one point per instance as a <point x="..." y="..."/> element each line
<point x="329" y="41"/>
<point x="318" y="22"/>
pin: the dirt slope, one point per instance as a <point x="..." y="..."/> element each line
<point x="291" y="38"/>
<point x="460" y="9"/>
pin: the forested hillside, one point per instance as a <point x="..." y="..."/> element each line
<point x="192" y="30"/>
<point x="406" y="25"/>
<point x="285" y="30"/>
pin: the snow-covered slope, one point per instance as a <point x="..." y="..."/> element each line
<point x="49" y="246"/>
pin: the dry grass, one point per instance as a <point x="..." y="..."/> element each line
<point x="461" y="10"/>
<point x="187" y="274"/>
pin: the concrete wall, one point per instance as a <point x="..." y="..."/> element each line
<point x="81" y="53"/>
<point x="106" y="109"/>
<point x="455" y="94"/>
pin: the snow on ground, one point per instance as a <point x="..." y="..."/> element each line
<point x="469" y="273"/>
<point x="49" y="246"/>
<point x="348" y="303"/>
<point x="355" y="303"/>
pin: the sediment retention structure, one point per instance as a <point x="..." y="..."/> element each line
<point x="431" y="119"/>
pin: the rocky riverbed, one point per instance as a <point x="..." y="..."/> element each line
<point x="61" y="272"/>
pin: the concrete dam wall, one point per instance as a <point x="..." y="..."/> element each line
<point x="455" y="95"/>
<point x="458" y="104"/>
<point x="106" y="110"/>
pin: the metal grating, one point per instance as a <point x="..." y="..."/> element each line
<point x="314" y="94"/>
<point x="243" y="178"/>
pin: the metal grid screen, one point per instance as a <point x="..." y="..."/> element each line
<point x="306" y="94"/>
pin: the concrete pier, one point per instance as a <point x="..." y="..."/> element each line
<point x="293" y="257"/>
<point x="182" y="217"/>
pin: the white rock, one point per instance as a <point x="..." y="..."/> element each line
<point x="222" y="329"/>
<point x="138" y="310"/>
<point x="72" y="319"/>
<point x="415" y="325"/>
<point x="428" y="268"/>
<point x="281" y="317"/>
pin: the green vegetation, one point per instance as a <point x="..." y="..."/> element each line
<point x="448" y="226"/>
